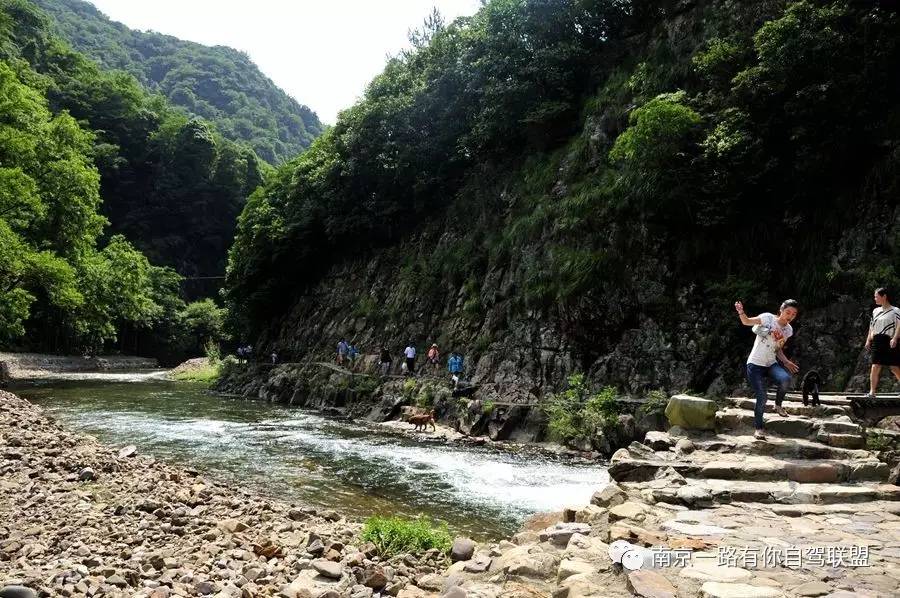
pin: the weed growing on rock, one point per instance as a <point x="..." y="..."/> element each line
<point x="395" y="535"/>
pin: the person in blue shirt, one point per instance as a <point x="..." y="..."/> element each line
<point x="342" y="349"/>
<point x="455" y="367"/>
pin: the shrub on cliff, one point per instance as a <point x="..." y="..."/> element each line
<point x="576" y="413"/>
<point x="395" y="535"/>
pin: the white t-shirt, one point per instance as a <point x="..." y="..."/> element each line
<point x="885" y="321"/>
<point x="766" y="347"/>
<point x="410" y="352"/>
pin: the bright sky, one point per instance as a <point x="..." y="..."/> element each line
<point x="322" y="52"/>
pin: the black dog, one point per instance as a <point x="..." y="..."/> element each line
<point x="811" y="381"/>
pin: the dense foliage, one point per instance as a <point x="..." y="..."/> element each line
<point x="577" y="414"/>
<point x="395" y="535"/>
<point x="217" y="83"/>
<point x="77" y="143"/>
<point x="171" y="184"/>
<point x="622" y="159"/>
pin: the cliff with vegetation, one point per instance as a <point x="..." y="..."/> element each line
<point x="559" y="187"/>
<point x="218" y="83"/>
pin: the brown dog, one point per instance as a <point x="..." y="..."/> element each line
<point x="421" y="421"/>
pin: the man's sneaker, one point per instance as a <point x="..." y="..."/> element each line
<point x="780" y="411"/>
<point x="759" y="435"/>
<point x="868" y="396"/>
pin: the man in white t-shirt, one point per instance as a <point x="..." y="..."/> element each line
<point x="772" y="332"/>
<point x="410" y="353"/>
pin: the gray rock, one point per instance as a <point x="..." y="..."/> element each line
<point x="560" y="533"/>
<point x="609" y="496"/>
<point x="658" y="441"/>
<point x="87" y="475"/>
<point x="17" y="592"/>
<point x="128" y="451"/>
<point x="812" y="588"/>
<point x="204" y="588"/>
<point x="684" y="446"/>
<point x="462" y="549"/>
<point x="328" y="568"/>
<point x="479" y="564"/>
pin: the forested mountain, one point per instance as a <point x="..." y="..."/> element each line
<point x="561" y="185"/>
<point x="80" y="147"/>
<point x="217" y="83"/>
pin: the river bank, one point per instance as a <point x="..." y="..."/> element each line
<point x="33" y="366"/>
<point x="83" y="519"/>
<point x="147" y="529"/>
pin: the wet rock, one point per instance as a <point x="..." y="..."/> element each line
<point x="462" y="549"/>
<point x="17" y="592"/>
<point x="128" y="451"/>
<point x="87" y="475"/>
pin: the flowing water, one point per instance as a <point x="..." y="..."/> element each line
<point x="357" y="469"/>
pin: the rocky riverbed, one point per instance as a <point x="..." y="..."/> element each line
<point x="78" y="518"/>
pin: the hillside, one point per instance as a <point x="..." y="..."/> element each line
<point x="217" y="83"/>
<point x="555" y="187"/>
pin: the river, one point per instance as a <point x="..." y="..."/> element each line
<point x="356" y="469"/>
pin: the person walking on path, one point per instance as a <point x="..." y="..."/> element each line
<point x="882" y="341"/>
<point x="455" y="367"/>
<point x="772" y="332"/>
<point x="410" y="353"/>
<point x="342" y="350"/>
<point x="434" y="356"/>
<point x="385" y="359"/>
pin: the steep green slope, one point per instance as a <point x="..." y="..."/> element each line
<point x="217" y="83"/>
<point x="172" y="184"/>
<point x="589" y="185"/>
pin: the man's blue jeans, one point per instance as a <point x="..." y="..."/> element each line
<point x="757" y="374"/>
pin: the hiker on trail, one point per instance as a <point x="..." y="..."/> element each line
<point x="240" y="354"/>
<point x="248" y="351"/>
<point x="455" y="367"/>
<point x="274" y="357"/>
<point x="772" y="332"/>
<point x="434" y="356"/>
<point x="352" y="353"/>
<point x="410" y="353"/>
<point x="882" y="341"/>
<point x="385" y="359"/>
<point x="342" y="350"/>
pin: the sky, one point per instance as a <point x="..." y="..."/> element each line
<point x="321" y="52"/>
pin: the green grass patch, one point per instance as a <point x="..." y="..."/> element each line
<point x="208" y="374"/>
<point x="395" y="535"/>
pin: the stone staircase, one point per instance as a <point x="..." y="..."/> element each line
<point x="815" y="455"/>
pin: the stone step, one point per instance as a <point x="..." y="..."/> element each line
<point x="794" y="408"/>
<point x="751" y="468"/>
<point x="825" y="399"/>
<point x="798" y="448"/>
<point x="827" y="431"/>
<point x="700" y="493"/>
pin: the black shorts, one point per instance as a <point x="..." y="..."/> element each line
<point x="882" y="353"/>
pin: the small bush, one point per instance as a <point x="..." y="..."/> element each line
<point x="877" y="442"/>
<point x="409" y="387"/>
<point x="488" y="407"/>
<point x="213" y="352"/>
<point x="656" y="403"/>
<point x="576" y="413"/>
<point x="425" y="398"/>
<point x="395" y="535"/>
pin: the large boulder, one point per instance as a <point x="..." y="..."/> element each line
<point x="462" y="549"/>
<point x="691" y="413"/>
